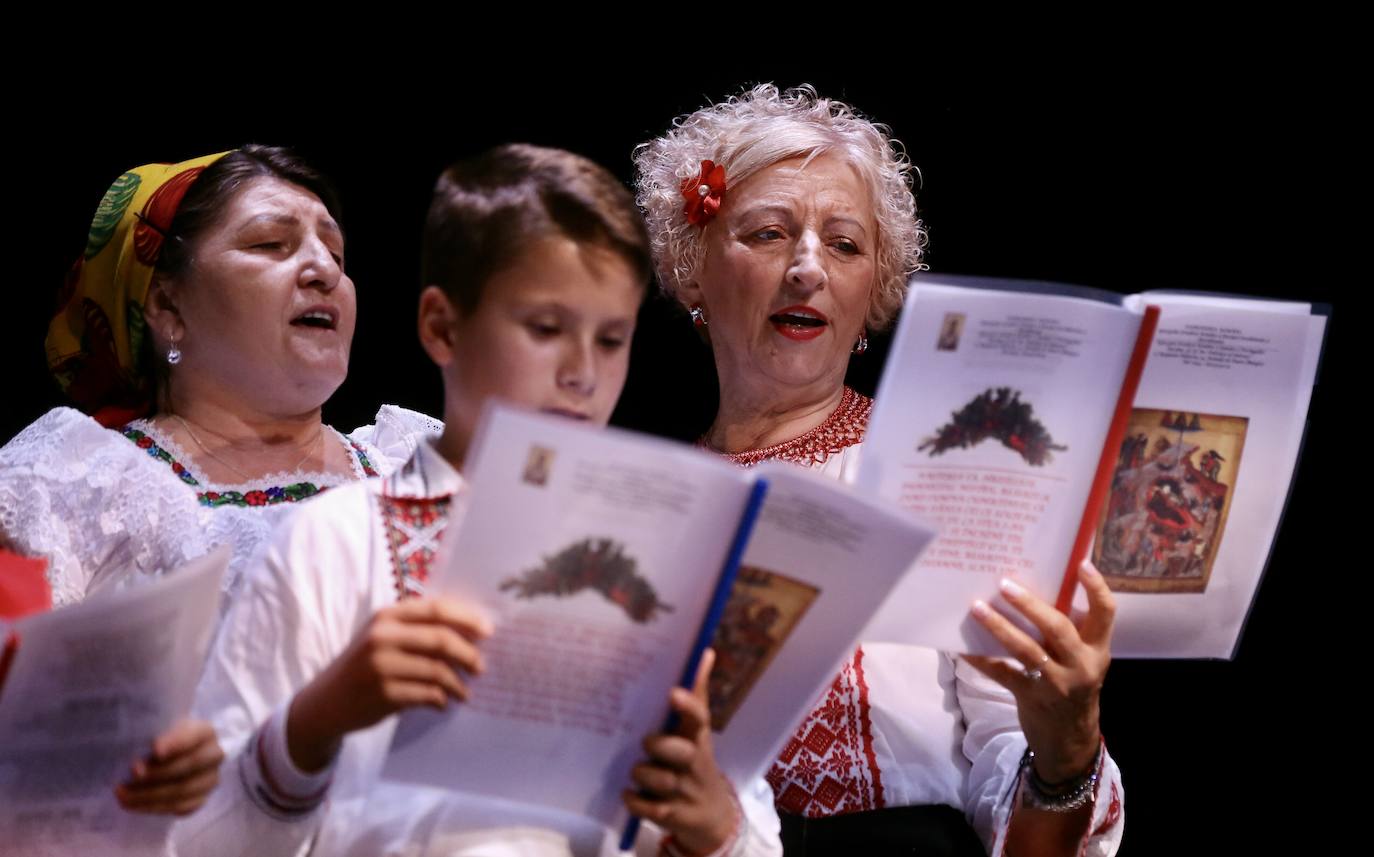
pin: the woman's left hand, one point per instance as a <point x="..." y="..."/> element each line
<point x="1057" y="691"/>
<point x="680" y="787"/>
<point x="178" y="775"/>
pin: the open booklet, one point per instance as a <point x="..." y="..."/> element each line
<point x="89" y="688"/>
<point x="1009" y="415"/>
<point x="605" y="560"/>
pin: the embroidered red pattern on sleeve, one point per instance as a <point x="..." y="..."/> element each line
<point x="1113" y="813"/>
<point x="828" y="767"/>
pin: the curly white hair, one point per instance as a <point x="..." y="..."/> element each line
<point x="755" y="130"/>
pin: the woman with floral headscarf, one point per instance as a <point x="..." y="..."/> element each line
<point x="201" y="330"/>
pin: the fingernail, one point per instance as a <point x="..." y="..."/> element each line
<point x="1012" y="589"/>
<point x="980" y="608"/>
<point x="1088" y="570"/>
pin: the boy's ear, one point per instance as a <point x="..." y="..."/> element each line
<point x="438" y="325"/>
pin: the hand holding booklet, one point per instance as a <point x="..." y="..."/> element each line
<point x="89" y="688"/>
<point x="598" y="554"/>
<point x="1031" y="422"/>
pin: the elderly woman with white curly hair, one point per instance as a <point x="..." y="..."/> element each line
<point x="785" y="224"/>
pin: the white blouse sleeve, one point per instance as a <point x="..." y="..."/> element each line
<point x="994" y="744"/>
<point x="759" y="833"/>
<point x="294" y="614"/>
<point x="93" y="504"/>
<point x="396" y="434"/>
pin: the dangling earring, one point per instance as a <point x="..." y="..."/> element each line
<point x="698" y="315"/>
<point x="173" y="353"/>
<point x="862" y="345"/>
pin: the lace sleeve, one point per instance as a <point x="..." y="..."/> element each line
<point x="93" y="505"/>
<point x="396" y="434"/>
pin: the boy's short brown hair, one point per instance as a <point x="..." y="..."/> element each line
<point x="486" y="210"/>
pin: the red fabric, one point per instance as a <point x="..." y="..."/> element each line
<point x="24" y="588"/>
<point x="7" y="657"/>
<point x="413" y="525"/>
<point x="830" y="767"/>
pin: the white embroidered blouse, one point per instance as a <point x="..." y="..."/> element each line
<point x="909" y="726"/>
<point x="105" y="507"/>
<point x="306" y="596"/>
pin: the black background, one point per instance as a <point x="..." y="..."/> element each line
<point x="1231" y="181"/>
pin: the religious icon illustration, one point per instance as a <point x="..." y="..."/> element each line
<point x="763" y="609"/>
<point x="537" y="465"/>
<point x="997" y="413"/>
<point x="950" y="331"/>
<point x="1170" y="496"/>
<point x="597" y="564"/>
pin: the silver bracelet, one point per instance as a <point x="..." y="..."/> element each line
<point x="1067" y="796"/>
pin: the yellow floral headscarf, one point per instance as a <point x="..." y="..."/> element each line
<point x="96" y="339"/>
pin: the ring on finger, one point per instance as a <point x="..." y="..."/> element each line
<point x="1035" y="673"/>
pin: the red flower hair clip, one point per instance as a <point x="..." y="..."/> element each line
<point x="702" y="193"/>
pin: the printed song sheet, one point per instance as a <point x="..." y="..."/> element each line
<point x="1204" y="471"/>
<point x="821" y="561"/>
<point x="89" y="688"/>
<point x="989" y="423"/>
<point x="595" y="552"/>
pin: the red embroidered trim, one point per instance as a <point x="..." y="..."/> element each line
<point x="866" y="725"/>
<point x="843" y="428"/>
<point x="1113" y="808"/>
<point x="1113" y="813"/>
<point x="829" y="767"/>
<point x="368" y="469"/>
<point x="413" y="526"/>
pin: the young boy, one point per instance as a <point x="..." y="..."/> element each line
<point x="536" y="262"/>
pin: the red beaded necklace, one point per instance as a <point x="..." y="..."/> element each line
<point x="844" y="427"/>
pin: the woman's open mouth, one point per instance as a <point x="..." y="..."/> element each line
<point x="319" y="318"/>
<point x="800" y="323"/>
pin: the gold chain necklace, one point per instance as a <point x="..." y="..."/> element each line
<point x="246" y="478"/>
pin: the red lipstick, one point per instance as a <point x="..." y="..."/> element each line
<point x="799" y="323"/>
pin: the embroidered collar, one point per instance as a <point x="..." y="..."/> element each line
<point x="415" y="503"/>
<point x="425" y="474"/>
<point x="269" y="491"/>
<point x="843" y="428"/>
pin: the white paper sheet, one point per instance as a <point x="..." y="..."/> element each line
<point x="1240" y="372"/>
<point x="821" y="561"/>
<point x="89" y="689"/>
<point x="574" y="680"/>
<point x="1001" y="511"/>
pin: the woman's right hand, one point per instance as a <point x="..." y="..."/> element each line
<point x="177" y="775"/>
<point x="411" y="653"/>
